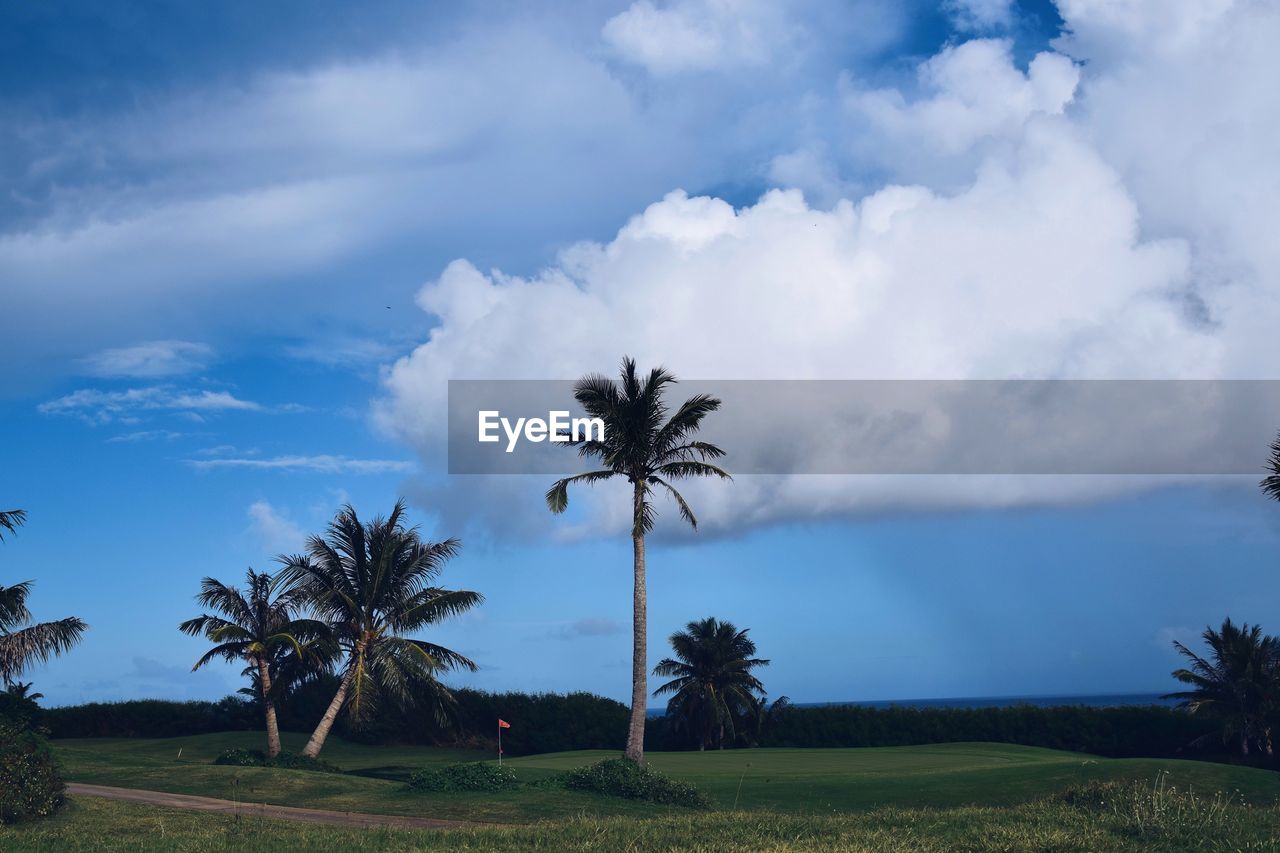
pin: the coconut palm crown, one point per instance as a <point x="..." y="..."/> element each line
<point x="712" y="687"/>
<point x="373" y="584"/>
<point x="261" y="629"/>
<point x="1237" y="682"/>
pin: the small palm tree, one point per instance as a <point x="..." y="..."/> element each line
<point x="21" y="642"/>
<point x="373" y="584"/>
<point x="260" y="629"/>
<point x="22" y="690"/>
<point x="711" y="683"/>
<point x="1238" y="683"/>
<point x="648" y="449"/>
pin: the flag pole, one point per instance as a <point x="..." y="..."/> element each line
<point x="499" y="743"/>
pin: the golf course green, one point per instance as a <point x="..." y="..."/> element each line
<point x="800" y="781"/>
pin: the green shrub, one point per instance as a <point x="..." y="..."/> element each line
<point x="619" y="777"/>
<point x="479" y="776"/>
<point x="285" y="760"/>
<point x="30" y="784"/>
<point x="242" y="758"/>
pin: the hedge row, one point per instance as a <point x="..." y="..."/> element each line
<point x="1123" y="731"/>
<point x="550" y="722"/>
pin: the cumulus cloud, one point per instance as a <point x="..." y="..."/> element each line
<point x="150" y="360"/>
<point x="1046" y="228"/>
<point x="274" y="530"/>
<point x="97" y="406"/>
<point x="322" y="463"/>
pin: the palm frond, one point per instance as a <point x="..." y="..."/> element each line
<point x="11" y="520"/>
<point x="37" y="644"/>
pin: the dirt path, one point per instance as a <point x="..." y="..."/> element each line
<point x="209" y="804"/>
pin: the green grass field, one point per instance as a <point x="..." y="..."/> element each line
<point x="802" y="781"/>
<point x="968" y="795"/>
<point x="94" y="824"/>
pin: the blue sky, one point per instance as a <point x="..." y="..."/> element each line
<point x="243" y="248"/>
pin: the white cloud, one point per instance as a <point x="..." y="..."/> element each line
<point x="144" y="435"/>
<point x="97" y="406"/>
<point x="1065" y="221"/>
<point x="980" y="15"/>
<point x="344" y="351"/>
<point x="275" y="532"/>
<point x="690" y="35"/>
<point x="150" y="360"/>
<point x="322" y="463"/>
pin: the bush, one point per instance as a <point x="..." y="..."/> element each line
<point x="30" y="783"/>
<point x="478" y="776"/>
<point x="242" y="758"/>
<point x="284" y="761"/>
<point x="619" y="777"/>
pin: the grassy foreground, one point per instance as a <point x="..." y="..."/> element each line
<point x="800" y="781"/>
<point x="93" y="824"/>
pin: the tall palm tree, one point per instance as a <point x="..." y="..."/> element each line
<point x="711" y="683"/>
<point x="23" y="643"/>
<point x="1238" y="682"/>
<point x="373" y="584"/>
<point x="649" y="450"/>
<point x="261" y="630"/>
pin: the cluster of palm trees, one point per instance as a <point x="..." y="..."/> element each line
<point x="24" y="642"/>
<point x="347" y="605"/>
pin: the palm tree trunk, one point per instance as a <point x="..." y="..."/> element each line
<point x="273" y="729"/>
<point x="312" y="749"/>
<point x="639" y="639"/>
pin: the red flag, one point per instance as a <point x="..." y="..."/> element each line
<point x="503" y="724"/>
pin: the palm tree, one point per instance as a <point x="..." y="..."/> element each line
<point x="1239" y="683"/>
<point x="259" y="629"/>
<point x="23" y="643"/>
<point x="711" y="683"/>
<point x="1270" y="484"/>
<point x="373" y="584"/>
<point x="649" y="450"/>
<point x="22" y="690"/>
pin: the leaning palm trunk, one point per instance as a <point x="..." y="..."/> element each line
<point x="639" y="648"/>
<point x="312" y="749"/>
<point x="273" y="728"/>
